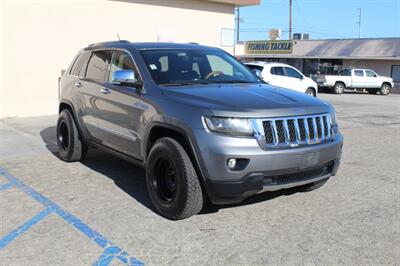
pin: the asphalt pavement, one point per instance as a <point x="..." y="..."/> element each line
<point x="98" y="212"/>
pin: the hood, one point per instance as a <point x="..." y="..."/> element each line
<point x="247" y="100"/>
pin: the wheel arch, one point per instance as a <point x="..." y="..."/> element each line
<point x="387" y="83"/>
<point x="66" y="105"/>
<point x="159" y="130"/>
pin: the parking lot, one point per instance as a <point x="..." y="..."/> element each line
<point x="98" y="211"/>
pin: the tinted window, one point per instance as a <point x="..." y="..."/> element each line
<point x="79" y="67"/>
<point x="277" y="71"/>
<point x="98" y="65"/>
<point x="359" y="73"/>
<point x="370" y="73"/>
<point x="396" y="73"/>
<point x="121" y="60"/>
<point x="292" y="73"/>
<point x="345" y="72"/>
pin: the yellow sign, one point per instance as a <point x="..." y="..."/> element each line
<point x="269" y="47"/>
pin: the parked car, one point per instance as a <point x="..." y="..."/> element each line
<point x="200" y="122"/>
<point x="356" y="80"/>
<point x="285" y="76"/>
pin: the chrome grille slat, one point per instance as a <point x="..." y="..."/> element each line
<point x="295" y="131"/>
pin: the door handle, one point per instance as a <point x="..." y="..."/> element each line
<point x="78" y="84"/>
<point x="105" y="91"/>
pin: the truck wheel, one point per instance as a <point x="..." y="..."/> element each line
<point x="338" y="88"/>
<point x="70" y="146"/>
<point x="172" y="182"/>
<point x="385" y="89"/>
<point x="313" y="186"/>
<point x="311" y="92"/>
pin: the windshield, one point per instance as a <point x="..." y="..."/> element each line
<point x="176" y="67"/>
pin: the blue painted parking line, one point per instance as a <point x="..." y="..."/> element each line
<point x="5" y="186"/>
<point x="25" y="227"/>
<point x="111" y="251"/>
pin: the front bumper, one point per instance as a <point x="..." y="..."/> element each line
<point x="266" y="170"/>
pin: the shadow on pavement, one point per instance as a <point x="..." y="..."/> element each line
<point x="132" y="179"/>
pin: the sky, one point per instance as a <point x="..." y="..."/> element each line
<point x="322" y="19"/>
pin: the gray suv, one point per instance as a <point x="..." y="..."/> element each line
<point x="203" y="125"/>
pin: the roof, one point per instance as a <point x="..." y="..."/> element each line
<point x="383" y="48"/>
<point x="146" y="45"/>
<point x="238" y="2"/>
<point x="263" y="63"/>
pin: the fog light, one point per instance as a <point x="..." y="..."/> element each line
<point x="231" y="164"/>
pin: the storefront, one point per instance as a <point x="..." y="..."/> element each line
<point x="314" y="57"/>
<point x="40" y="38"/>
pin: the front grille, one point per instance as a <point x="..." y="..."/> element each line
<point x="294" y="131"/>
<point x="276" y="180"/>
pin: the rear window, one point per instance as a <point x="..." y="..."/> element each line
<point x="79" y="67"/>
<point x="345" y="72"/>
<point x="359" y="73"/>
<point x="98" y="65"/>
<point x="277" y="71"/>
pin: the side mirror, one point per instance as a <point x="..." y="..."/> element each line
<point x="125" y="78"/>
<point x="257" y="72"/>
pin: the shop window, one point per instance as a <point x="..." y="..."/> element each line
<point x="396" y="73"/>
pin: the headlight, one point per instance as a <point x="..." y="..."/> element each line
<point x="334" y="124"/>
<point x="227" y="125"/>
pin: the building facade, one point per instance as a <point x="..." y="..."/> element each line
<point x="40" y="38"/>
<point x="314" y="57"/>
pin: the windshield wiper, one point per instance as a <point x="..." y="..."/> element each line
<point x="184" y="83"/>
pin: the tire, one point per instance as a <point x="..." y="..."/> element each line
<point x="339" y="88"/>
<point x="71" y="148"/>
<point x="372" y="91"/>
<point x="312" y="186"/>
<point x="385" y="89"/>
<point x="311" y="92"/>
<point x="172" y="182"/>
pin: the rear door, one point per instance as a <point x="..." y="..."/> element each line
<point x="93" y="88"/>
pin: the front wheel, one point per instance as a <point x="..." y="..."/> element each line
<point x="311" y="92"/>
<point x="385" y="89"/>
<point x="172" y="182"/>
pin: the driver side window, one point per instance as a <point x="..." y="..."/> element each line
<point x="292" y="73"/>
<point x="218" y="64"/>
<point x="121" y="60"/>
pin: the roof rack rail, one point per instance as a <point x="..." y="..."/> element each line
<point x="107" y="42"/>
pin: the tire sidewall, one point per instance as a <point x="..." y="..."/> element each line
<point x="382" y="89"/>
<point x="311" y="92"/>
<point x="65" y="117"/>
<point x="160" y="150"/>
<point x="339" y="88"/>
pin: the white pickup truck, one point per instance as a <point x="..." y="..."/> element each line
<point x="356" y="79"/>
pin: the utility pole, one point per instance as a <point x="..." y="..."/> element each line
<point x="359" y="22"/>
<point x="237" y="25"/>
<point x="290" y="19"/>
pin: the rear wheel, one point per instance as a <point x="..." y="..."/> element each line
<point x="71" y="148"/>
<point x="339" y="88"/>
<point x="172" y="182"/>
<point x="385" y="89"/>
